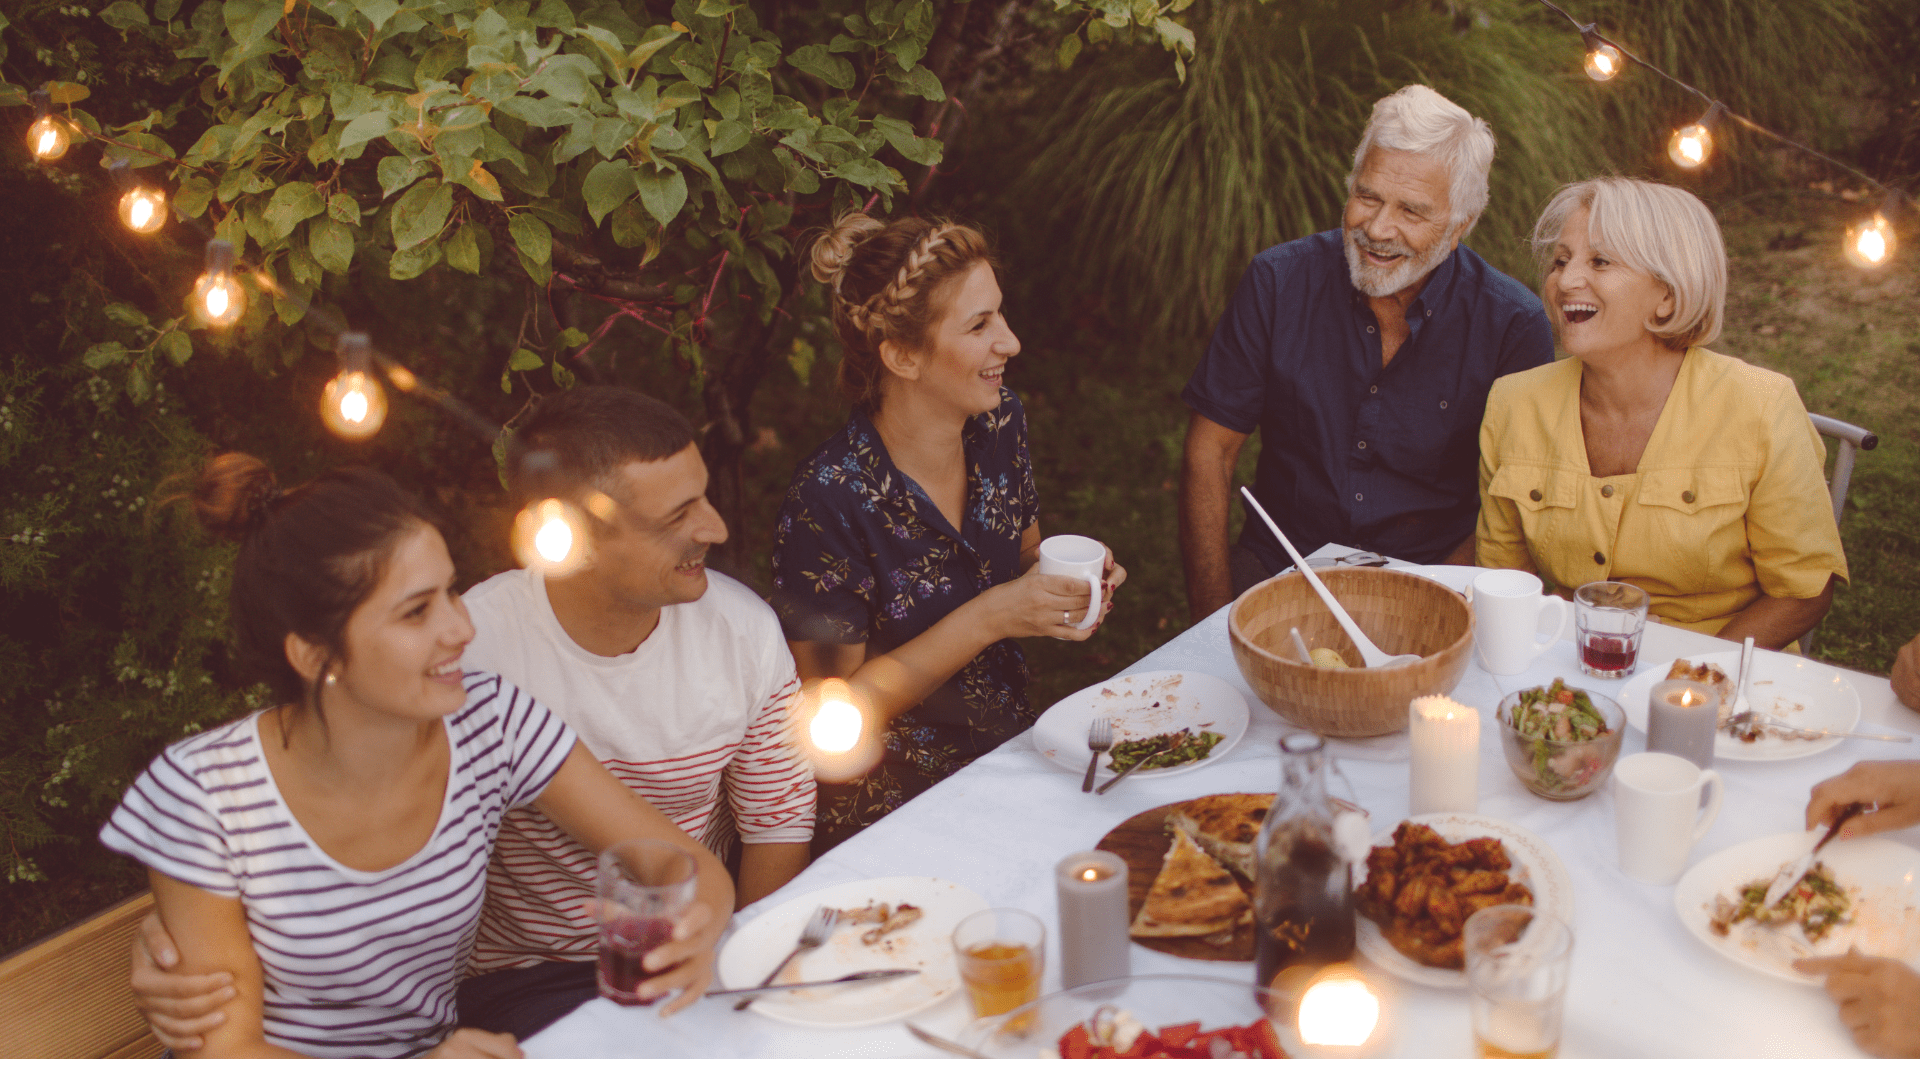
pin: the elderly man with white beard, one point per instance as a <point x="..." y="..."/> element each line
<point x="1364" y="355"/>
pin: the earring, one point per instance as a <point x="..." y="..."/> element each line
<point x="332" y="679"/>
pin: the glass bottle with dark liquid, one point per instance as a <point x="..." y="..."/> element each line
<point x="1303" y="898"/>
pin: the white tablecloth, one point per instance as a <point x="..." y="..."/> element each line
<point x="1642" y="985"/>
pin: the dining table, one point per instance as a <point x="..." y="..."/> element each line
<point x="1642" y="985"/>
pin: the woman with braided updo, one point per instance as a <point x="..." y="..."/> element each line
<point x="904" y="548"/>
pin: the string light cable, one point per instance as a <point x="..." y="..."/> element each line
<point x="1870" y="243"/>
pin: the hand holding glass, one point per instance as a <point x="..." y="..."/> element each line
<point x="644" y="887"/>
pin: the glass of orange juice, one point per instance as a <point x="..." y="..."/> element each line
<point x="1002" y="953"/>
<point x="1518" y="960"/>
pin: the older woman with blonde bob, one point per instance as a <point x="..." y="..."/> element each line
<point x="1644" y="457"/>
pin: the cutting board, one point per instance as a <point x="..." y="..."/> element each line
<point x="1142" y="840"/>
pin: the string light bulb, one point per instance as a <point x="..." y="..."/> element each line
<point x="1870" y="243"/>
<point x="550" y="536"/>
<point x="354" y="404"/>
<point x="1603" y="60"/>
<point x="217" y="295"/>
<point x="48" y="136"/>
<point x="1691" y="146"/>
<point x="143" y="209"/>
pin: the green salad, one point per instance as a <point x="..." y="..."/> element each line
<point x="1186" y="746"/>
<point x="1550" y="717"/>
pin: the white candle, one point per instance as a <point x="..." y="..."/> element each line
<point x="1446" y="756"/>
<point x="1092" y="889"/>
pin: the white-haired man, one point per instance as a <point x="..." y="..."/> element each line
<point x="1364" y="355"/>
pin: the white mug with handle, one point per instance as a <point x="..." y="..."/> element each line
<point x="1656" y="807"/>
<point x="1509" y="611"/>
<point x="1077" y="557"/>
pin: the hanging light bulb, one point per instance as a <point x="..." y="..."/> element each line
<point x="837" y="737"/>
<point x="48" y="136"/>
<point x="1870" y="243"/>
<point x="143" y="209"/>
<point x="217" y="295"/>
<point x="836" y="724"/>
<point x="1603" y="60"/>
<point x="550" y="535"/>
<point x="354" y="405"/>
<point x="1691" y="146"/>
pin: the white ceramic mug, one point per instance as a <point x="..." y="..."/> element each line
<point x="1508" y="612"/>
<point x="1656" y="807"/>
<point x="1077" y="557"/>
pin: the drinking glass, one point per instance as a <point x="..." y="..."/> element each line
<point x="644" y="886"/>
<point x="1608" y="619"/>
<point x="1001" y="952"/>
<point x="1517" y="965"/>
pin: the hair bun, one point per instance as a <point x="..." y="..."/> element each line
<point x="233" y="495"/>
<point x="834" y="249"/>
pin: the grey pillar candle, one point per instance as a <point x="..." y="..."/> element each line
<point x="1092" y="887"/>
<point x="1682" y="718"/>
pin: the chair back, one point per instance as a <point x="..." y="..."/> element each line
<point x="1852" y="439"/>
<point x="67" y="996"/>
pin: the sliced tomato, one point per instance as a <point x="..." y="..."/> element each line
<point x="1075" y="1044"/>
<point x="1265" y="1041"/>
<point x="1564" y="697"/>
<point x="1179" y="1034"/>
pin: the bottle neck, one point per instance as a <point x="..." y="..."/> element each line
<point x="1303" y="783"/>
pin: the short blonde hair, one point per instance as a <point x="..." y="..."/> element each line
<point x="1659" y="230"/>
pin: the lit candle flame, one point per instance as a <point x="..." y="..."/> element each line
<point x="1091" y="873"/>
<point x="1339" y="1011"/>
<point x="1688" y="699"/>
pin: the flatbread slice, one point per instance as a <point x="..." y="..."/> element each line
<point x="1225" y="827"/>
<point x="1192" y="896"/>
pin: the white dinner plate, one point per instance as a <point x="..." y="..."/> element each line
<point x="1787" y="687"/>
<point x="926" y="944"/>
<point x="1887" y="904"/>
<point x="1534" y="865"/>
<point x="1141" y="705"/>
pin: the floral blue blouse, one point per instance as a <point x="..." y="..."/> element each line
<point x="861" y="555"/>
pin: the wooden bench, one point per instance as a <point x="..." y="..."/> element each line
<point x="66" y="996"/>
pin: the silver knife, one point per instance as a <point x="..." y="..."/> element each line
<point x="1784" y="882"/>
<point x="939" y="1043"/>
<point x="882" y="975"/>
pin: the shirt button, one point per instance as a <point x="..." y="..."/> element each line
<point x="1363" y="444"/>
<point x="1534" y="494"/>
<point x="1606" y="491"/>
<point x="1429" y="313"/>
<point x="1599" y="558"/>
<point x="1686" y="496"/>
<point x="1373" y="389"/>
<point x="1357" y="497"/>
<point x="1443" y="404"/>
<point x="1369" y="329"/>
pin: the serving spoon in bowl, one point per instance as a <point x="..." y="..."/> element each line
<point x="1371" y="655"/>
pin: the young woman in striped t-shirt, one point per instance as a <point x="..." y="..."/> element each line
<point x="330" y="852"/>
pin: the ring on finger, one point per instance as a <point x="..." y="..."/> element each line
<point x="1066" y="618"/>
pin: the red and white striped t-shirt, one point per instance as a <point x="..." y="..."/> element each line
<point x="697" y="720"/>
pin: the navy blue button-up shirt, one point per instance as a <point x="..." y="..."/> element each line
<point x="1385" y="459"/>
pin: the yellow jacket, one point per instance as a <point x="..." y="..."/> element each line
<point x="1729" y="500"/>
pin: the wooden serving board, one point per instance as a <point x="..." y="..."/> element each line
<point x="1142" y="840"/>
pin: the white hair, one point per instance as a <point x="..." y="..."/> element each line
<point x="1418" y="120"/>
<point x="1657" y="229"/>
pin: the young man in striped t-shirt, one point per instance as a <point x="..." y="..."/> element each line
<point x="679" y="682"/>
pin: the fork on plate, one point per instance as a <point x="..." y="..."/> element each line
<point x="815" y="934"/>
<point x="1099" y="740"/>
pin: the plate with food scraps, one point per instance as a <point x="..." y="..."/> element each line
<point x="866" y="937"/>
<point x="1147" y="705"/>
<point x="1534" y="865"/>
<point x="1879" y="878"/>
<point x="1789" y="688"/>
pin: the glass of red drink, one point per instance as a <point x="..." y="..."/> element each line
<point x="645" y="885"/>
<point x="1608" y="619"/>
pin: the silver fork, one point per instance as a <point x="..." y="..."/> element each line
<point x="815" y="934"/>
<point x="1742" y="709"/>
<point x="1099" y="740"/>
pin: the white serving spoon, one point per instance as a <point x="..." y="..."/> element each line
<point x="1370" y="654"/>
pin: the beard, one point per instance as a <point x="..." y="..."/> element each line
<point x="1387" y="280"/>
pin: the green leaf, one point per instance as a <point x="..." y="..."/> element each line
<point x="250" y="21"/>
<point x="152" y="150"/>
<point x="1070" y="47"/>
<point x="535" y="244"/>
<point x="540" y="111"/>
<point x="726" y="101"/>
<point x="376" y="11"/>
<point x="922" y="82"/>
<point x="139" y="387"/>
<point x="630" y="227"/>
<point x="569" y="77"/>
<point x="1173" y="36"/>
<point x="562" y="377"/>
<point x="607" y="185"/>
<point x="365" y="128"/>
<point x="816" y="61"/>
<point x="412" y="263"/>
<point x="123" y="15"/>
<point x="292" y="203"/>
<point x="396" y="172"/>
<point x="66" y="93"/>
<point x="662" y="193"/>
<point x="343" y="208"/>
<point x="191" y="200"/>
<point x="177" y="346"/>
<point x="524" y="360"/>
<point x="867" y="173"/>
<point x="107" y="352"/>
<point x="573" y="337"/>
<point x="126" y="315"/>
<point x="420" y="214"/>
<point x="658" y="37"/>
<point x="470" y="248"/>
<point x="300" y="260"/>
<point x="728" y="136"/>
<point x="800" y="357"/>
<point x="900" y="136"/>
<point x="331" y="244"/>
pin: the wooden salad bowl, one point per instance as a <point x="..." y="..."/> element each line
<point x="1402" y="613"/>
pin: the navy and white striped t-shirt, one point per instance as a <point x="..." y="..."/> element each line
<point x="356" y="962"/>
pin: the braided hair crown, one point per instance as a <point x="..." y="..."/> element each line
<point x="881" y="276"/>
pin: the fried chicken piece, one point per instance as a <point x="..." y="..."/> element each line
<point x="1473" y="882"/>
<point x="1444" y="908"/>
<point x="1488" y="853"/>
<point x="1412" y="899"/>
<point x="1517" y="893"/>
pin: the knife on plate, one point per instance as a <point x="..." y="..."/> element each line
<point x="939" y="1043"/>
<point x="881" y="975"/>
<point x="1789" y="877"/>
